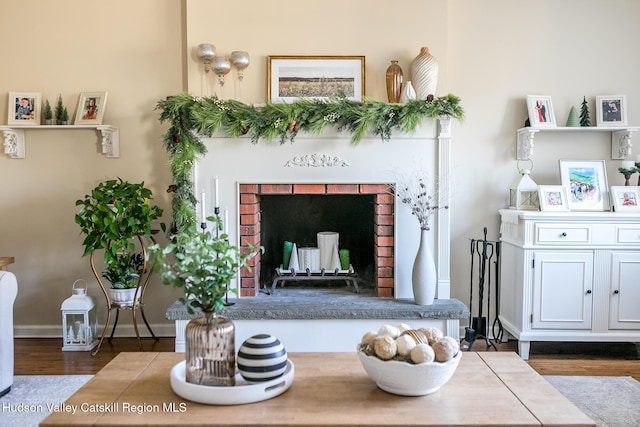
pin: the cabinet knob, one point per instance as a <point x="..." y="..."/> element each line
<point x="616" y="291"/>
<point x="588" y="291"/>
<point x="563" y="234"/>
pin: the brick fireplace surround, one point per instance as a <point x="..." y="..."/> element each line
<point x="249" y="209"/>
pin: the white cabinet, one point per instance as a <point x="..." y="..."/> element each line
<point x="570" y="276"/>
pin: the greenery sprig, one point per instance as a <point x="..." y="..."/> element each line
<point x="192" y="117"/>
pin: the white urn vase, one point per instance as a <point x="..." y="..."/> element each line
<point x="407" y="93"/>
<point x="424" y="74"/>
<point x="424" y="277"/>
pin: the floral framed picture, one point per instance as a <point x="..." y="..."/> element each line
<point x="553" y="198"/>
<point x="91" y="108"/>
<point x="24" y="108"/>
<point x="625" y="198"/>
<point x="540" y="110"/>
<point x="611" y="110"/>
<point x="585" y="182"/>
<point x="319" y="77"/>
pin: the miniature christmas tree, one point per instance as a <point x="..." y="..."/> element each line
<point x="572" y="120"/>
<point x="48" y="113"/>
<point x="584" y="113"/>
<point x="59" y="109"/>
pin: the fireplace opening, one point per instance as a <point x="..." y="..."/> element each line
<point x="298" y="218"/>
<point x="363" y="214"/>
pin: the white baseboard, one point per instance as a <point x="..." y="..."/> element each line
<point x="49" y="331"/>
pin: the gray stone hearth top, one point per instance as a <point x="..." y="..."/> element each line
<point x="328" y="303"/>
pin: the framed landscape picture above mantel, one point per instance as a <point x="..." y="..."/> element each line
<point x="611" y="110"/>
<point x="585" y="182"/>
<point x="319" y="77"/>
<point x="540" y="111"/>
<point x="24" y="108"/>
<point x="91" y="108"/>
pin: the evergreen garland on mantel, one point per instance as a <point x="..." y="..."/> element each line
<point x="192" y="117"/>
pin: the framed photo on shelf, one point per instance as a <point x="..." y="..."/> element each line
<point x="553" y="198"/>
<point x="317" y="77"/>
<point x="24" y="108"/>
<point x="611" y="110"/>
<point x="625" y="198"/>
<point x="91" y="108"/>
<point x="585" y="182"/>
<point x="540" y="110"/>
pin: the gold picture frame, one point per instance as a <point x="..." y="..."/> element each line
<point x="292" y="77"/>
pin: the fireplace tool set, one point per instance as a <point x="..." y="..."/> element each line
<point x="486" y="254"/>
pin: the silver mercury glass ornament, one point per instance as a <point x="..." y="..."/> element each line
<point x="206" y="53"/>
<point x="221" y="66"/>
<point x="240" y="61"/>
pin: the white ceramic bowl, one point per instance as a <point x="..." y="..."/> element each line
<point x="407" y="379"/>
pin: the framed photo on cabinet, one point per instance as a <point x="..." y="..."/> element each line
<point x="585" y="182"/>
<point x="540" y="110"/>
<point x="625" y="198"/>
<point x="553" y="198"/>
<point x="318" y="77"/>
<point x="611" y="110"/>
<point x="24" y="108"/>
<point x="91" y="108"/>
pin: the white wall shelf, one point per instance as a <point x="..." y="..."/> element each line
<point x="15" y="141"/>
<point x="620" y="139"/>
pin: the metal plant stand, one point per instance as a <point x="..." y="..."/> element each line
<point x="138" y="299"/>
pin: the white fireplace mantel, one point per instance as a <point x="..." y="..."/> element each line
<point x="330" y="157"/>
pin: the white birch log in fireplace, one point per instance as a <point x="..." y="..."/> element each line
<point x="236" y="161"/>
<point x="328" y="246"/>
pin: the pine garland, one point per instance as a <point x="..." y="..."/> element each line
<point x="192" y="117"/>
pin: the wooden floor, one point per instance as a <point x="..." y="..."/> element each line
<point x="45" y="357"/>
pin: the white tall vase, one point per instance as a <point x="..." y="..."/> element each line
<point x="424" y="277"/>
<point x="424" y="74"/>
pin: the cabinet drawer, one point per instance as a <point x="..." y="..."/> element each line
<point x="562" y="234"/>
<point x="628" y="234"/>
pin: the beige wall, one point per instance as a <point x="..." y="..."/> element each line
<point x="491" y="53"/>
<point x="131" y="49"/>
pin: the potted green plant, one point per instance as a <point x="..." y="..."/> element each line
<point x="47" y="113"/>
<point x="62" y="116"/>
<point x="111" y="216"/>
<point x="203" y="264"/>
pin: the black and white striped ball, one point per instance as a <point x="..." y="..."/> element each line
<point x="261" y="358"/>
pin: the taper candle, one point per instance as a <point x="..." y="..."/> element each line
<point x="204" y="204"/>
<point x="226" y="221"/>
<point x="215" y="193"/>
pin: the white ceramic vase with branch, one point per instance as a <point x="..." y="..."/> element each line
<point x="422" y="195"/>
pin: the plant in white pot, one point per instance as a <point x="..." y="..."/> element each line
<point x="113" y="217"/>
<point x="203" y="264"/>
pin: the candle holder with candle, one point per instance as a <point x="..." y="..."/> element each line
<point x="628" y="168"/>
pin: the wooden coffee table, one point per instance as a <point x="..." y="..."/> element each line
<point x="329" y="389"/>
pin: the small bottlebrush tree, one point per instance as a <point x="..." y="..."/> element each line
<point x="584" y="113"/>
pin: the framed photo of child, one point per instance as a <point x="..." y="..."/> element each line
<point x="553" y="198"/>
<point x="625" y="198"/>
<point x="91" y="108"/>
<point x="24" y="108"/>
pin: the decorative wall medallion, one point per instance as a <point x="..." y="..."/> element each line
<point x="316" y="160"/>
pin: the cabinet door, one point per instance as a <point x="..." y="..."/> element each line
<point x="562" y="290"/>
<point x="624" y="307"/>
